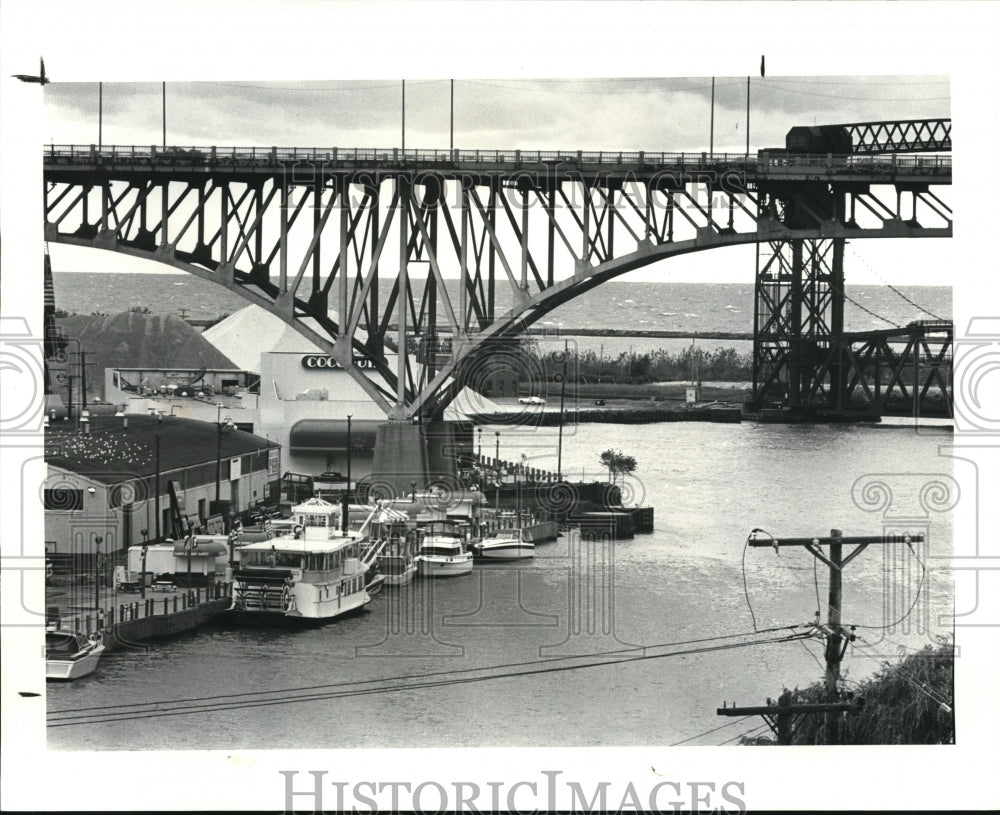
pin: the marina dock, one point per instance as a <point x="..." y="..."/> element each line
<point x="159" y="614"/>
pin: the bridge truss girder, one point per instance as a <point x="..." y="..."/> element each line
<point x="906" y="136"/>
<point x="802" y="359"/>
<point x="522" y="241"/>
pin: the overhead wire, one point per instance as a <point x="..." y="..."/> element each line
<point x="905" y="676"/>
<point x="427" y="674"/>
<point x="185" y="707"/>
<point x="713" y="730"/>
<point x="754" y="731"/>
<point x="746" y="593"/>
<point x="895" y="290"/>
<point x="916" y="596"/>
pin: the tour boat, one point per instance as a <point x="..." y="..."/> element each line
<point x="318" y="576"/>
<point x="443" y="552"/>
<point x="506" y="544"/>
<point x="69" y="655"/>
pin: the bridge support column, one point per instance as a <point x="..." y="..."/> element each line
<point x="400" y="460"/>
<point x="417" y="455"/>
<point x="799" y="321"/>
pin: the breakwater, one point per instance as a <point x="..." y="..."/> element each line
<point x="614" y="415"/>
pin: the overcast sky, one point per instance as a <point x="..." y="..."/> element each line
<point x="639" y="113"/>
<point x="657" y="113"/>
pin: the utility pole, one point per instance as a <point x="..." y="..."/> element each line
<point x="562" y="404"/>
<point x="69" y="396"/>
<point x="156" y="484"/>
<point x="83" y="382"/>
<point x="836" y="642"/>
<point x="783" y="718"/>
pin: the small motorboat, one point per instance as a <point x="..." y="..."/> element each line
<point x="69" y="655"/>
<point x="506" y="544"/>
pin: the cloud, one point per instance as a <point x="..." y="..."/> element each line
<point x="647" y="113"/>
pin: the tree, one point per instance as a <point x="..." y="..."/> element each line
<point x="617" y="464"/>
<point x="910" y="702"/>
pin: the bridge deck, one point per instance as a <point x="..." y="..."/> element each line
<point x="311" y="163"/>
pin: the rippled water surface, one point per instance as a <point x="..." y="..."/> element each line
<point x="404" y="673"/>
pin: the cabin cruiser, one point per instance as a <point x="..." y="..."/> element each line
<point x="69" y="655"/>
<point x="442" y="551"/>
<point x="505" y="544"/>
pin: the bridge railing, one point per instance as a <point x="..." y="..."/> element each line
<point x="764" y="161"/>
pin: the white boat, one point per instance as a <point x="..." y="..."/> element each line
<point x="69" y="655"/>
<point x="506" y="544"/>
<point x="443" y="552"/>
<point x="321" y="575"/>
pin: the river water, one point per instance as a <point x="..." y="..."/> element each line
<point x="399" y="674"/>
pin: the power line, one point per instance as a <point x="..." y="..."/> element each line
<point x="894" y="289"/>
<point x="904" y="675"/>
<point x="764" y="82"/>
<point x="428" y="674"/>
<point x="754" y="731"/>
<point x="745" y="592"/>
<point x="713" y="730"/>
<point x="916" y="597"/>
<point x="186" y="708"/>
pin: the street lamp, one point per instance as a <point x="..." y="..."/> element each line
<point x="496" y="495"/>
<point x="220" y="425"/>
<point x="189" y="544"/>
<point x="348" y="455"/>
<point x="98" y="540"/>
<point x="156" y="483"/>
<point x="480" y="451"/>
<point x="142" y="574"/>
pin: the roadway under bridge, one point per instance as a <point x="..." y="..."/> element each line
<point x="503" y="237"/>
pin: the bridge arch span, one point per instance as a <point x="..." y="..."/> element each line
<point x="508" y="222"/>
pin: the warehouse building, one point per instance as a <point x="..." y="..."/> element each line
<point x="116" y="481"/>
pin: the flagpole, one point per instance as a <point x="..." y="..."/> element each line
<point x="711" y="126"/>
<point x="748" y="118"/>
<point x="404" y="114"/>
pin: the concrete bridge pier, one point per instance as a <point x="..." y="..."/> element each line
<point x="414" y="456"/>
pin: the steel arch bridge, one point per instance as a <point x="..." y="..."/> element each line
<point x="503" y="236"/>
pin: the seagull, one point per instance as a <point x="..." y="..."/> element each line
<point x="42" y="79"/>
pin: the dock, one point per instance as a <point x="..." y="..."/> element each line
<point x="159" y="614"/>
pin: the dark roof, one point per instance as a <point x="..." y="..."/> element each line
<point x="111" y="452"/>
<point x="132" y="340"/>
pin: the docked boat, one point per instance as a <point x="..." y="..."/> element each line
<point x="69" y="655"/>
<point x="398" y="570"/>
<point x="442" y="551"/>
<point x="506" y="544"/>
<point x="320" y="575"/>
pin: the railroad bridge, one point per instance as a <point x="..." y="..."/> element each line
<point x="502" y="237"/>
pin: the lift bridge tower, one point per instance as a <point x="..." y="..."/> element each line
<point x="804" y="364"/>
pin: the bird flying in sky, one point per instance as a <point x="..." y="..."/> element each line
<point x="41" y="79"/>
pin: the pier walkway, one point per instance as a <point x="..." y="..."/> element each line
<point x="159" y="614"/>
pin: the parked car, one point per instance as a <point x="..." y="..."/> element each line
<point x="531" y="400"/>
